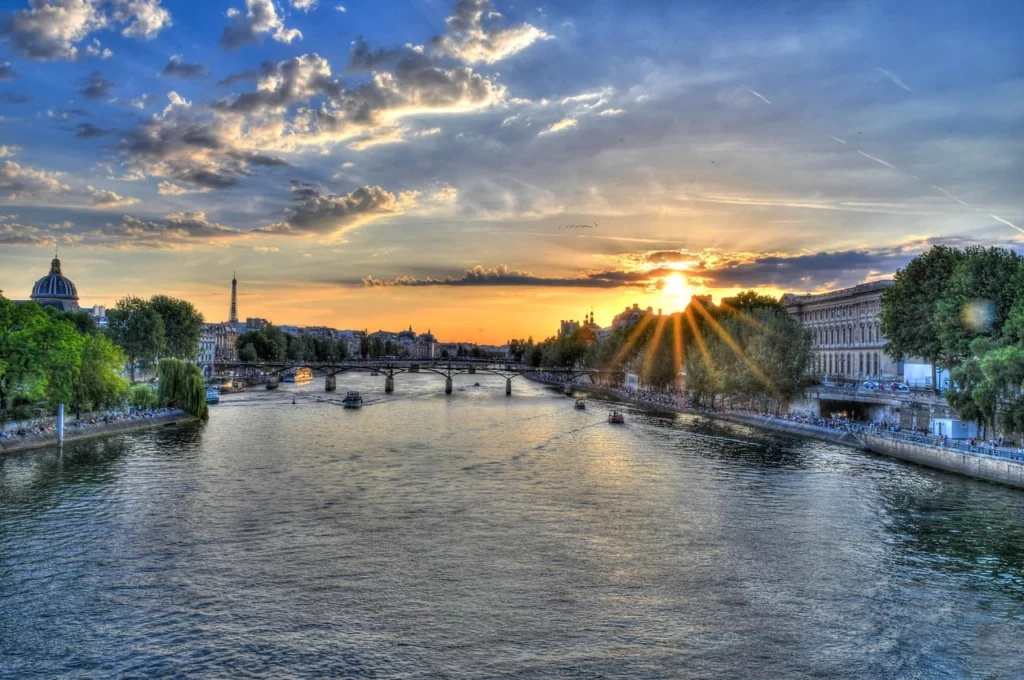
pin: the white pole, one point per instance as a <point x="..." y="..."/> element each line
<point x="60" y="425"/>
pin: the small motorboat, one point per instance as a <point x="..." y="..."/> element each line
<point x="374" y="373"/>
<point x="352" y="400"/>
<point x="581" y="405"/>
<point x="476" y="384"/>
<point x="616" y="418"/>
<point x="212" y="397"/>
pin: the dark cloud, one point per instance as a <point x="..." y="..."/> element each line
<point x="244" y="76"/>
<point x="260" y="18"/>
<point x="176" y="68"/>
<point x="503" y="276"/>
<point x="88" y="130"/>
<point x="96" y="86"/>
<point x="12" y="98"/>
<point x="318" y="214"/>
<point x="295" y="80"/>
<point x="6" y="71"/>
<point x="802" y="272"/>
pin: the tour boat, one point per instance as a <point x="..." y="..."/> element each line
<point x="616" y="418"/>
<point x="212" y="397"/>
<point x="299" y="376"/>
<point x="581" y="405"/>
<point x="352" y="400"/>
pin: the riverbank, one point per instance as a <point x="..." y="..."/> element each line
<point x="996" y="466"/>
<point x="74" y="433"/>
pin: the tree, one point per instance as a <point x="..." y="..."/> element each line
<point x="183" y="325"/>
<point x="82" y="321"/>
<point x="99" y="381"/>
<point x="138" y="329"/>
<point x="39" y="356"/>
<point x="977" y="299"/>
<point x="908" y="314"/>
<point x="181" y="386"/>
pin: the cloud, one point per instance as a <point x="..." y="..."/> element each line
<point x="54" y="29"/>
<point x="6" y="71"/>
<point x="502" y="275"/>
<point x="95" y="49"/>
<point x="260" y="18"/>
<point x="470" y="41"/>
<point x="96" y="86"/>
<point x="304" y="5"/>
<point x="610" y="112"/>
<point x="8" y="151"/>
<point x="141" y="102"/>
<point x="176" y="68"/>
<point x="172" y="189"/>
<point x="176" y="231"/>
<point x="102" y="198"/>
<point x="895" y="79"/>
<point x="331" y="215"/>
<point x="445" y="193"/>
<point x="285" y="84"/>
<point x="19" y="181"/>
<point x="266" y="249"/>
<point x="340" y="8"/>
<point x="88" y="131"/>
<point x="558" y="126"/>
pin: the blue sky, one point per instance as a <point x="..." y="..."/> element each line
<point x="419" y="161"/>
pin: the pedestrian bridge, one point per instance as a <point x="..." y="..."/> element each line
<point x="390" y="368"/>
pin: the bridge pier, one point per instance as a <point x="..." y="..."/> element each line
<point x="331" y="383"/>
<point x="568" y="389"/>
<point x="273" y="382"/>
<point x="389" y="384"/>
<point x="508" y="387"/>
<point x="448" y="385"/>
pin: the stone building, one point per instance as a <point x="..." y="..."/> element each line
<point x="845" y="324"/>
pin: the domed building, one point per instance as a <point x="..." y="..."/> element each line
<point x="56" y="290"/>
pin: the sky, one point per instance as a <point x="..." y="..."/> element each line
<point x="486" y="168"/>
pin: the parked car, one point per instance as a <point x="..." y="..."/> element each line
<point x="870" y="385"/>
<point x="899" y="387"/>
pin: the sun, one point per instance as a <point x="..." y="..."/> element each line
<point x="677" y="289"/>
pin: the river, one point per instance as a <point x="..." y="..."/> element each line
<point x="477" y="535"/>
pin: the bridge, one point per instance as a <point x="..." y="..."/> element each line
<point x="909" y="408"/>
<point x="445" y="368"/>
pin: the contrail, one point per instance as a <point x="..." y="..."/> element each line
<point x="807" y="251"/>
<point x="949" y="195"/>
<point x="895" y="79"/>
<point x="1006" y="222"/>
<point x="758" y="95"/>
<point x="837" y="139"/>
<point x="877" y="160"/>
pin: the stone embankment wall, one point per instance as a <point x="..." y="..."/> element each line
<point x="71" y="433"/>
<point x="991" y="469"/>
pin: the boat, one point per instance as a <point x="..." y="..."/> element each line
<point x="212" y="397"/>
<point x="374" y="373"/>
<point x="299" y="376"/>
<point x="581" y="405"/>
<point x="352" y="400"/>
<point x="232" y="386"/>
<point x="616" y="418"/>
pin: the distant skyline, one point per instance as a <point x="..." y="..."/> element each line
<point x="486" y="169"/>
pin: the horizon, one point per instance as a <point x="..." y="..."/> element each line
<point x="481" y="169"/>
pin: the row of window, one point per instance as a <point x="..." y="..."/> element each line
<point x="846" y="335"/>
<point x="844" y="311"/>
<point x="848" y="363"/>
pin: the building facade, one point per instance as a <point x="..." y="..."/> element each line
<point x="848" y="343"/>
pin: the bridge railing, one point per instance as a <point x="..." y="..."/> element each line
<point x="940" y="443"/>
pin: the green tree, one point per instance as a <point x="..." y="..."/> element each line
<point x="99" y="381"/>
<point x="39" y="356"/>
<point x="909" y="306"/>
<point x="181" y="386"/>
<point x="183" y="325"/>
<point x="977" y="299"/>
<point x="138" y="329"/>
<point x="82" y="321"/>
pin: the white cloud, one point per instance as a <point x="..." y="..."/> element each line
<point x="304" y="5"/>
<point x="19" y="181"/>
<point x="469" y="41"/>
<point x="558" y="126"/>
<point x="340" y="8"/>
<point x="266" y="249"/>
<point x="610" y="112"/>
<point x="172" y="189"/>
<point x="103" y="198"/>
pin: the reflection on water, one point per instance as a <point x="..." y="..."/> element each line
<point x="475" y="535"/>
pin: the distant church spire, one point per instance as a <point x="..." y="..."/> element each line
<point x="234" y="298"/>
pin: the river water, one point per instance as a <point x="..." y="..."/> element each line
<point x="482" y="536"/>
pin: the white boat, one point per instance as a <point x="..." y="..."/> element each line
<point x="352" y="400"/>
<point x="212" y="397"/>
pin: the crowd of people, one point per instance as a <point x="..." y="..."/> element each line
<point x="23" y="430"/>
